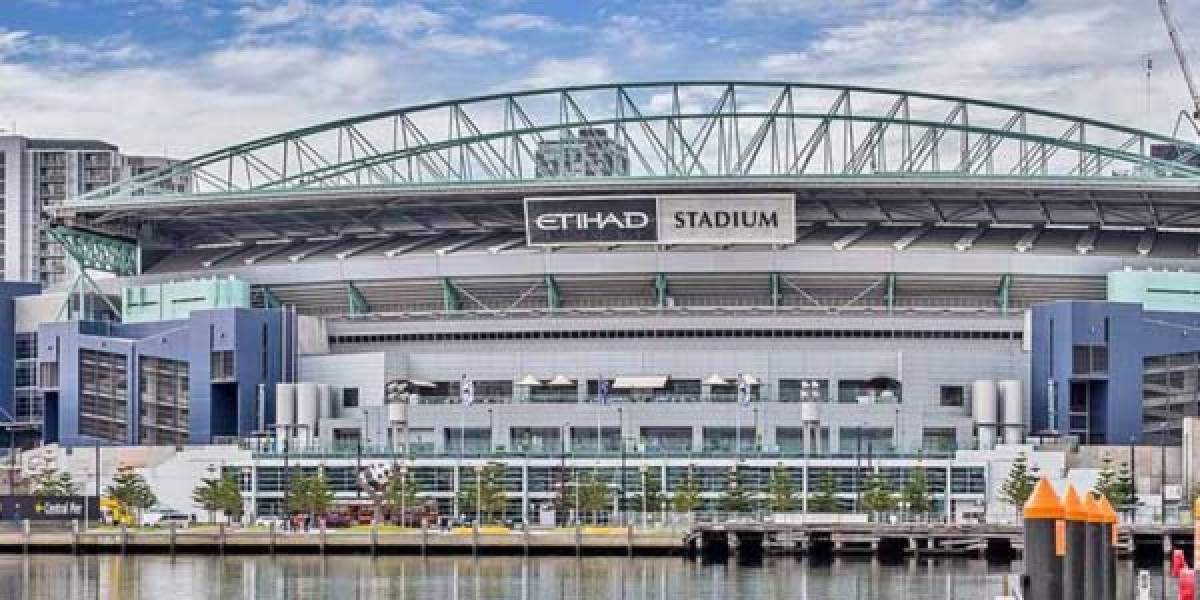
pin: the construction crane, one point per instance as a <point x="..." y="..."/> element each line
<point x="1177" y="43"/>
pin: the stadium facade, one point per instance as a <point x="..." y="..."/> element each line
<point x="659" y="276"/>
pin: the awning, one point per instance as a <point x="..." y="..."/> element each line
<point x="653" y="382"/>
<point x="422" y="384"/>
<point x="749" y="379"/>
<point x="561" y="381"/>
<point x="530" y="381"/>
<point x="715" y="379"/>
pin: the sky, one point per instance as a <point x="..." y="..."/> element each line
<point x="186" y="76"/>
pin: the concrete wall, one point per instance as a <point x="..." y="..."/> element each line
<point x="922" y="366"/>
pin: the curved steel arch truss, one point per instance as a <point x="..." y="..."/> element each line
<point x="674" y="130"/>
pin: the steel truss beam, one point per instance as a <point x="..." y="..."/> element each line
<point x="677" y="130"/>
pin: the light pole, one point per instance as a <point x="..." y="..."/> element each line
<point x="642" y="470"/>
<point x="404" y="495"/>
<point x="478" y="495"/>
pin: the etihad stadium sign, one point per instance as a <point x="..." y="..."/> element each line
<point x="669" y="219"/>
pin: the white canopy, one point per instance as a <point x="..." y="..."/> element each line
<point x="715" y="379"/>
<point x="652" y="382"/>
<point x="561" y="381"/>
<point x="422" y="384"/>
<point x="529" y="380"/>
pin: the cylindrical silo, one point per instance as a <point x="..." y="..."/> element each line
<point x="397" y="412"/>
<point x="983" y="408"/>
<point x="1013" y="399"/>
<point x="809" y="412"/>
<point x="325" y="397"/>
<point x="285" y="409"/>
<point x="307" y="410"/>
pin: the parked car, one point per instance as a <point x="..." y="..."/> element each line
<point x="165" y="517"/>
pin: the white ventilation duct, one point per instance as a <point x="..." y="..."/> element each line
<point x="1013" y="398"/>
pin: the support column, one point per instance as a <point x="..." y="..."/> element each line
<point x="661" y="289"/>
<point x="553" y="294"/>
<point x="891" y="292"/>
<point x="450" y="300"/>
<point x="1003" y="292"/>
<point x="776" y="289"/>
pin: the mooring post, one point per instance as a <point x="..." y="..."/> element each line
<point x="525" y="539"/>
<point x="272" y="537"/>
<point x="1108" y="558"/>
<point x="424" y="538"/>
<point x="1093" y="587"/>
<point x="74" y="536"/>
<point x="578" y="541"/>
<point x="28" y="533"/>
<point x="629" y="540"/>
<point x="374" y="538"/>
<point x="321" y="525"/>
<point x="1043" y="563"/>
<point x="172" y="540"/>
<point x="221" y="537"/>
<point x="124" y="537"/>
<point x="1075" y="562"/>
<point x="475" y="539"/>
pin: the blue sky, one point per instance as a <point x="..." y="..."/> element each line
<point x="186" y="76"/>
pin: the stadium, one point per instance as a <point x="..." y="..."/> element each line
<point x="648" y="280"/>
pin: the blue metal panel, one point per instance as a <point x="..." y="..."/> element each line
<point x="193" y="340"/>
<point x="1130" y="335"/>
<point x="8" y="291"/>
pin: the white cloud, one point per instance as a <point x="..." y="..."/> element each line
<point x="555" y="72"/>
<point x="520" y="22"/>
<point x="466" y="45"/>
<point x="1070" y="55"/>
<point x="396" y="20"/>
<point x="264" y="14"/>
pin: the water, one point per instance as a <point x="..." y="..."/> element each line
<point x="64" y="577"/>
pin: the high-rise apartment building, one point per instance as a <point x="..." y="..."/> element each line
<point x="37" y="175"/>
<point x="586" y="153"/>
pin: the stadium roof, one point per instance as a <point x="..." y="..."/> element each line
<point x="849" y="153"/>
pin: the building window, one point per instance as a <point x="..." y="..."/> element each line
<point x="48" y="375"/>
<point x="865" y="440"/>
<point x="222" y="365"/>
<point x="939" y="439"/>
<point x="952" y="395"/>
<point x="880" y="390"/>
<point x="804" y="390"/>
<point x="103" y="395"/>
<point x="163" y="401"/>
<point x="350" y="398"/>
<point x="1089" y="360"/>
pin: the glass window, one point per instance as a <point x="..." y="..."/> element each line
<point x="349" y="397"/>
<point x="880" y="390"/>
<point x="804" y="390"/>
<point x="952" y="395"/>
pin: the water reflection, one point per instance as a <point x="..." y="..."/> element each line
<point x="464" y="578"/>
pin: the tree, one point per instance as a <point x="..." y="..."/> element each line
<point x="131" y="491"/>
<point x="229" y="498"/>
<point x="650" y="498"/>
<point x="781" y="491"/>
<point x="877" y="496"/>
<point x="484" y="495"/>
<point x="594" y="495"/>
<point x="1116" y="485"/>
<point x="916" y="492"/>
<point x="1018" y="486"/>
<point x="686" y="495"/>
<point x="401" y="493"/>
<point x="824" y="499"/>
<point x="208" y="495"/>
<point x="310" y="495"/>
<point x="736" y="498"/>
<point x="52" y="482"/>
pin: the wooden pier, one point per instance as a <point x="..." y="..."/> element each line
<point x="1001" y="542"/>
